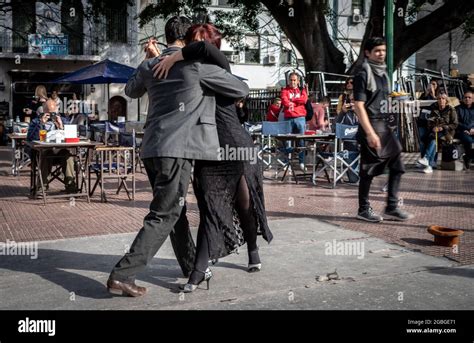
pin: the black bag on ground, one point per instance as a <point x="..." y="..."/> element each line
<point x="449" y="152"/>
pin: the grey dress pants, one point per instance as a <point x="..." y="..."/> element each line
<point x="169" y="178"/>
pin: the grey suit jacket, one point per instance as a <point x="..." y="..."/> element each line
<point x="181" y="116"/>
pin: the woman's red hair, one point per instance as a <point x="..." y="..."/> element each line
<point x="207" y="32"/>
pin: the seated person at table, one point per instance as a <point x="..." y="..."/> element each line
<point x="347" y="115"/>
<point x="57" y="100"/>
<point x="465" y="129"/>
<point x="72" y="112"/>
<point x="242" y="110"/>
<point x="53" y="156"/>
<point x="35" y="105"/>
<point x="317" y="122"/>
<point x="431" y="93"/>
<point x="274" y="110"/>
<point x="348" y="94"/>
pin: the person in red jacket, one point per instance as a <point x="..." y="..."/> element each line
<point x="318" y="122"/>
<point x="294" y="100"/>
<point x="274" y="110"/>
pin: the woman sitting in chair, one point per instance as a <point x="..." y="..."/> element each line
<point x="442" y="124"/>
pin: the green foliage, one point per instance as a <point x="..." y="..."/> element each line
<point x="166" y="8"/>
<point x="235" y="24"/>
<point x="98" y="7"/>
<point x="468" y="26"/>
<point x="232" y="24"/>
<point x="415" y="6"/>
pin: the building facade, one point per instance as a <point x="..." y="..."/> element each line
<point x="261" y="57"/>
<point x="452" y="52"/>
<point x="43" y="40"/>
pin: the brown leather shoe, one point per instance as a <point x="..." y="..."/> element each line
<point x="123" y="288"/>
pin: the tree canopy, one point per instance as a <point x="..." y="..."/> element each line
<point x="305" y="24"/>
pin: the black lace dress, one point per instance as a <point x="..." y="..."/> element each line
<point x="216" y="182"/>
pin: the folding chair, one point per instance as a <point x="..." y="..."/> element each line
<point x="336" y="161"/>
<point x="84" y="131"/>
<point x="55" y="174"/>
<point x="269" y="149"/>
<point x="20" y="158"/>
<point x="136" y="126"/>
<point x="112" y="130"/>
<point x="115" y="162"/>
<point x="97" y="131"/>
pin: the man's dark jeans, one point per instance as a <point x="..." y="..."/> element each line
<point x="169" y="178"/>
<point x="298" y="125"/>
<point x="466" y="141"/>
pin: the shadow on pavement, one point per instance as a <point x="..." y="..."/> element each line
<point x="55" y="265"/>
<point x="463" y="272"/>
<point x="419" y="241"/>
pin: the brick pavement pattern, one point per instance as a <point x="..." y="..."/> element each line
<point x="443" y="198"/>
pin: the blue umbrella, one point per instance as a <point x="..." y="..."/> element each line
<point x="105" y="71"/>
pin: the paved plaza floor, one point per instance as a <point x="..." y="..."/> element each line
<point x="401" y="268"/>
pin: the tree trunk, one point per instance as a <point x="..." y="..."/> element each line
<point x="413" y="37"/>
<point x="305" y="26"/>
<point x="374" y="28"/>
<point x="408" y="39"/>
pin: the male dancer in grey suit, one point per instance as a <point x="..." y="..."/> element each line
<point x="180" y="127"/>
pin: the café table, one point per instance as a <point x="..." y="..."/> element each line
<point x="313" y="140"/>
<point x="39" y="148"/>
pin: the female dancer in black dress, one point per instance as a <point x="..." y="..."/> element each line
<point x="230" y="192"/>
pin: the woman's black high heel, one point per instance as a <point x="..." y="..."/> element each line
<point x="254" y="262"/>
<point x="192" y="286"/>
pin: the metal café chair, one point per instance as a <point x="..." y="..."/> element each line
<point x="269" y="149"/>
<point x="112" y="130"/>
<point x="115" y="162"/>
<point x="337" y="161"/>
<point x="137" y="127"/>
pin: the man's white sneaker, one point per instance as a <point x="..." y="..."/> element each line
<point x="428" y="170"/>
<point x="302" y="167"/>
<point x="424" y="162"/>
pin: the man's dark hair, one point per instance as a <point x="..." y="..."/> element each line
<point x="294" y="73"/>
<point x="176" y="28"/>
<point x="373" y="42"/>
<point x="325" y="99"/>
